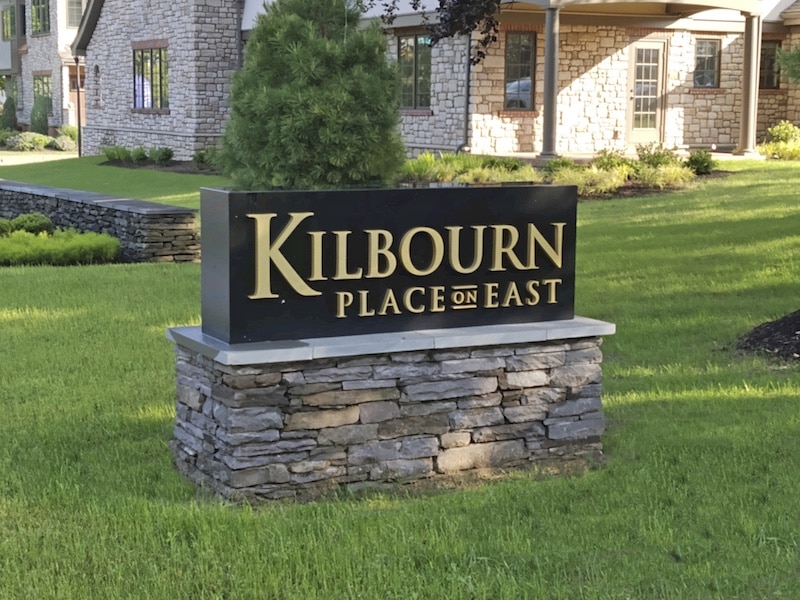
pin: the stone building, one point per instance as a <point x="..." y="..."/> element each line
<point x="36" y="59"/>
<point x="565" y="76"/>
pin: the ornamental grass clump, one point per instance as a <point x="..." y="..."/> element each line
<point x="316" y="103"/>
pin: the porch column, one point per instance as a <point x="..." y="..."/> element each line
<point x="550" y="108"/>
<point x="752" y="56"/>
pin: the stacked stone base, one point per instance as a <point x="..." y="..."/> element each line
<point x="302" y="429"/>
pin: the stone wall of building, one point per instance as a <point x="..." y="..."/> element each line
<point x="593" y="92"/>
<point x="301" y="429"/>
<point x="148" y="232"/>
<point x="442" y="127"/>
<point x="203" y="51"/>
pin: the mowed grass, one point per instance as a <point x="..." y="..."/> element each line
<point x="87" y="173"/>
<point x="698" y="498"/>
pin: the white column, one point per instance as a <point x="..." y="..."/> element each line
<point x="752" y="56"/>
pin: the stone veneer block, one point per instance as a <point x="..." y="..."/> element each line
<point x="298" y="419"/>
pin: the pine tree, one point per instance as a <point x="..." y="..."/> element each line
<point x="315" y="104"/>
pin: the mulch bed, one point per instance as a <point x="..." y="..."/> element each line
<point x="779" y="338"/>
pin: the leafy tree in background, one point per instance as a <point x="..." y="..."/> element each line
<point x="454" y="17"/>
<point x="315" y="104"/>
<point x="789" y="62"/>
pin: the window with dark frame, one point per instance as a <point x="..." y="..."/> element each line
<point x="9" y="22"/>
<point x="150" y="83"/>
<point x="43" y="88"/>
<point x="769" y="77"/>
<point x="706" y="64"/>
<point x="414" y="62"/>
<point x="40" y="16"/>
<point x="520" y="68"/>
<point x="75" y="12"/>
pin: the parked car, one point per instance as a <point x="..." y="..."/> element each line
<point x="518" y="93"/>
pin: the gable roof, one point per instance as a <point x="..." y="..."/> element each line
<point x="86" y="28"/>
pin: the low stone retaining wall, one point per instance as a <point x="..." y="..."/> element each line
<point x="374" y="410"/>
<point x="147" y="231"/>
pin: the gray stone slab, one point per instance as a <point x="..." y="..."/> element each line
<point x="406" y="341"/>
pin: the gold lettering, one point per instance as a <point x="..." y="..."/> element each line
<point x="343" y="300"/>
<point x="455" y="254"/>
<point x="554" y="252"/>
<point x="341" y="257"/>
<point x="316" y="256"/>
<point x="268" y="253"/>
<point x="505" y="247"/>
<point x="551" y="289"/>
<point x="490" y="292"/>
<point x="389" y="301"/>
<point x="363" y="311"/>
<point x="437" y="251"/>
<point x="512" y="295"/>
<point x="407" y="300"/>
<point x="379" y="244"/>
<point x="533" y="293"/>
<point x="437" y="298"/>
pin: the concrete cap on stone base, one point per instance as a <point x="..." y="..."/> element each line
<point x="381" y="343"/>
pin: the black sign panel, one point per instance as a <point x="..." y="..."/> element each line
<point x="295" y="265"/>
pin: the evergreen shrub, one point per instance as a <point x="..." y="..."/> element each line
<point x="33" y="223"/>
<point x="139" y="155"/>
<point x="42" y="107"/>
<point x="161" y="155"/>
<point x="315" y="104"/>
<point x="8" y="120"/>
<point x="701" y="162"/>
<point x="5" y="227"/>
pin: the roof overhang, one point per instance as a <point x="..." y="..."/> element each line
<point x="86" y="28"/>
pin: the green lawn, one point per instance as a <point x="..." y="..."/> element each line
<point x="87" y="173"/>
<point x="699" y="498"/>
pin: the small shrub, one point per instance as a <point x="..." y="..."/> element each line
<point x="422" y="169"/>
<point x="5" y="227"/>
<point x="160" y="156"/>
<point x="481" y="175"/>
<point x="33" y="223"/>
<point x="592" y="181"/>
<point x="205" y="159"/>
<point x="63" y="247"/>
<point x="139" y="155"/>
<point x="116" y="154"/>
<point x="5" y="135"/>
<point x="784" y="131"/>
<point x="62" y="143"/>
<point x="42" y="107"/>
<point x="701" y="162"/>
<point x="8" y="120"/>
<point x="559" y="164"/>
<point x="609" y="160"/>
<point x="27" y="141"/>
<point x="655" y="155"/>
<point x="665" y="176"/>
<point x="71" y="131"/>
<point x="504" y="163"/>
<point x="780" y="150"/>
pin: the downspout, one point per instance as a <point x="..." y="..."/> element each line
<point x="78" y="103"/>
<point x="239" y="38"/>
<point x="464" y="147"/>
